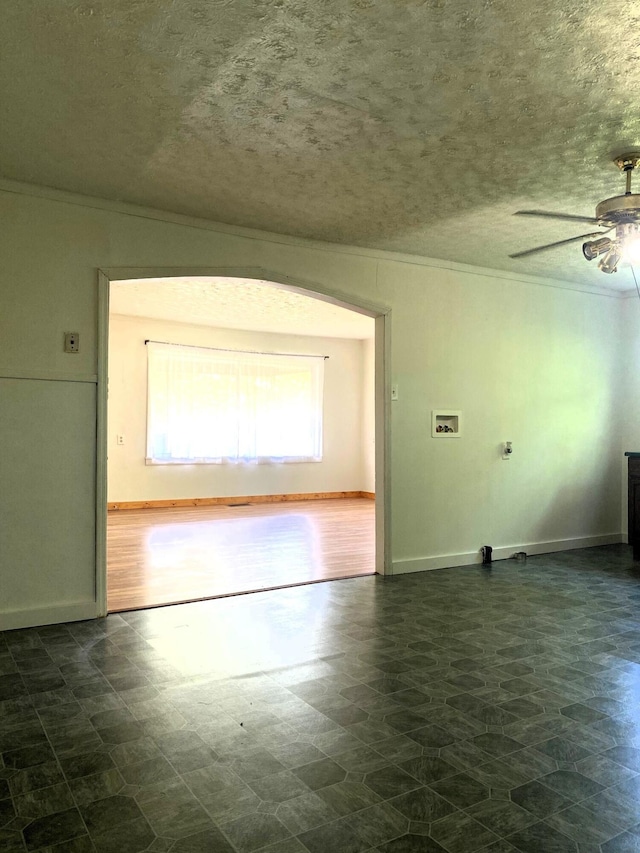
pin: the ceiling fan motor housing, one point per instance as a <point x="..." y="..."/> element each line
<point x="619" y="209"/>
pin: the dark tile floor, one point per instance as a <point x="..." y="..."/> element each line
<point x="461" y="710"/>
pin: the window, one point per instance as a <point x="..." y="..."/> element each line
<point x="214" y="406"/>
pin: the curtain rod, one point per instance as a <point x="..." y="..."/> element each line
<point x="245" y="351"/>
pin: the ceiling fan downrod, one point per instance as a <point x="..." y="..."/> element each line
<point x="621" y="208"/>
<point x="627" y="163"/>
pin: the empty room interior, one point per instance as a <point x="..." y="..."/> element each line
<point x="283" y="492"/>
<point x="319" y="427"/>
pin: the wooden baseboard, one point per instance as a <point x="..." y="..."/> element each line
<point x="237" y="500"/>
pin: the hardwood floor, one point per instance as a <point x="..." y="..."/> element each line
<point x="165" y="556"/>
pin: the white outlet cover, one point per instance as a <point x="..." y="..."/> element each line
<point x="71" y="342"/>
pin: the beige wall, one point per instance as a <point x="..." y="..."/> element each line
<point x="537" y="365"/>
<point x="343" y="463"/>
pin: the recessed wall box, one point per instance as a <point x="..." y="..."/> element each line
<point x="446" y="423"/>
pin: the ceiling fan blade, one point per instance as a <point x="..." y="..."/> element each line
<point x="569" y="217"/>
<point x="556" y="244"/>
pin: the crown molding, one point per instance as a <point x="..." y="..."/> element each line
<point x="127" y="209"/>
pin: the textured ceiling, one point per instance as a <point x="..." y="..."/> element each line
<point x="236" y="303"/>
<point x="410" y="125"/>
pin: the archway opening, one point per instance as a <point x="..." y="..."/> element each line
<point x="186" y="527"/>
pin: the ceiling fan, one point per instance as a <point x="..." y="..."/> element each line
<point x="620" y="213"/>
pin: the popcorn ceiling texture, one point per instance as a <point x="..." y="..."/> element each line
<point x="236" y="304"/>
<point x="411" y="125"/>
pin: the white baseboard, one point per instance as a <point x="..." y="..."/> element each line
<point x="53" y="615"/>
<point x="447" y="561"/>
<point x="81" y="610"/>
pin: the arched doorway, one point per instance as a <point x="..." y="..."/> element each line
<point x="114" y="283"/>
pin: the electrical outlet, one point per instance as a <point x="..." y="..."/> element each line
<point x="71" y="342"/>
<point x="394" y="392"/>
<point x="119" y="439"/>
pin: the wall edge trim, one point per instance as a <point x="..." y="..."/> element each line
<point x="447" y="561"/>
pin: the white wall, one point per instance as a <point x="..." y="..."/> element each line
<point x="533" y="364"/>
<point x="342" y="466"/>
<point x="47" y="467"/>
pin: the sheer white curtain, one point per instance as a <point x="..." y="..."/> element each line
<point x="214" y="406"/>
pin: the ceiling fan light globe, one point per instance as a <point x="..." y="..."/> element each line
<point x="632" y="250"/>
<point x="609" y="264"/>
